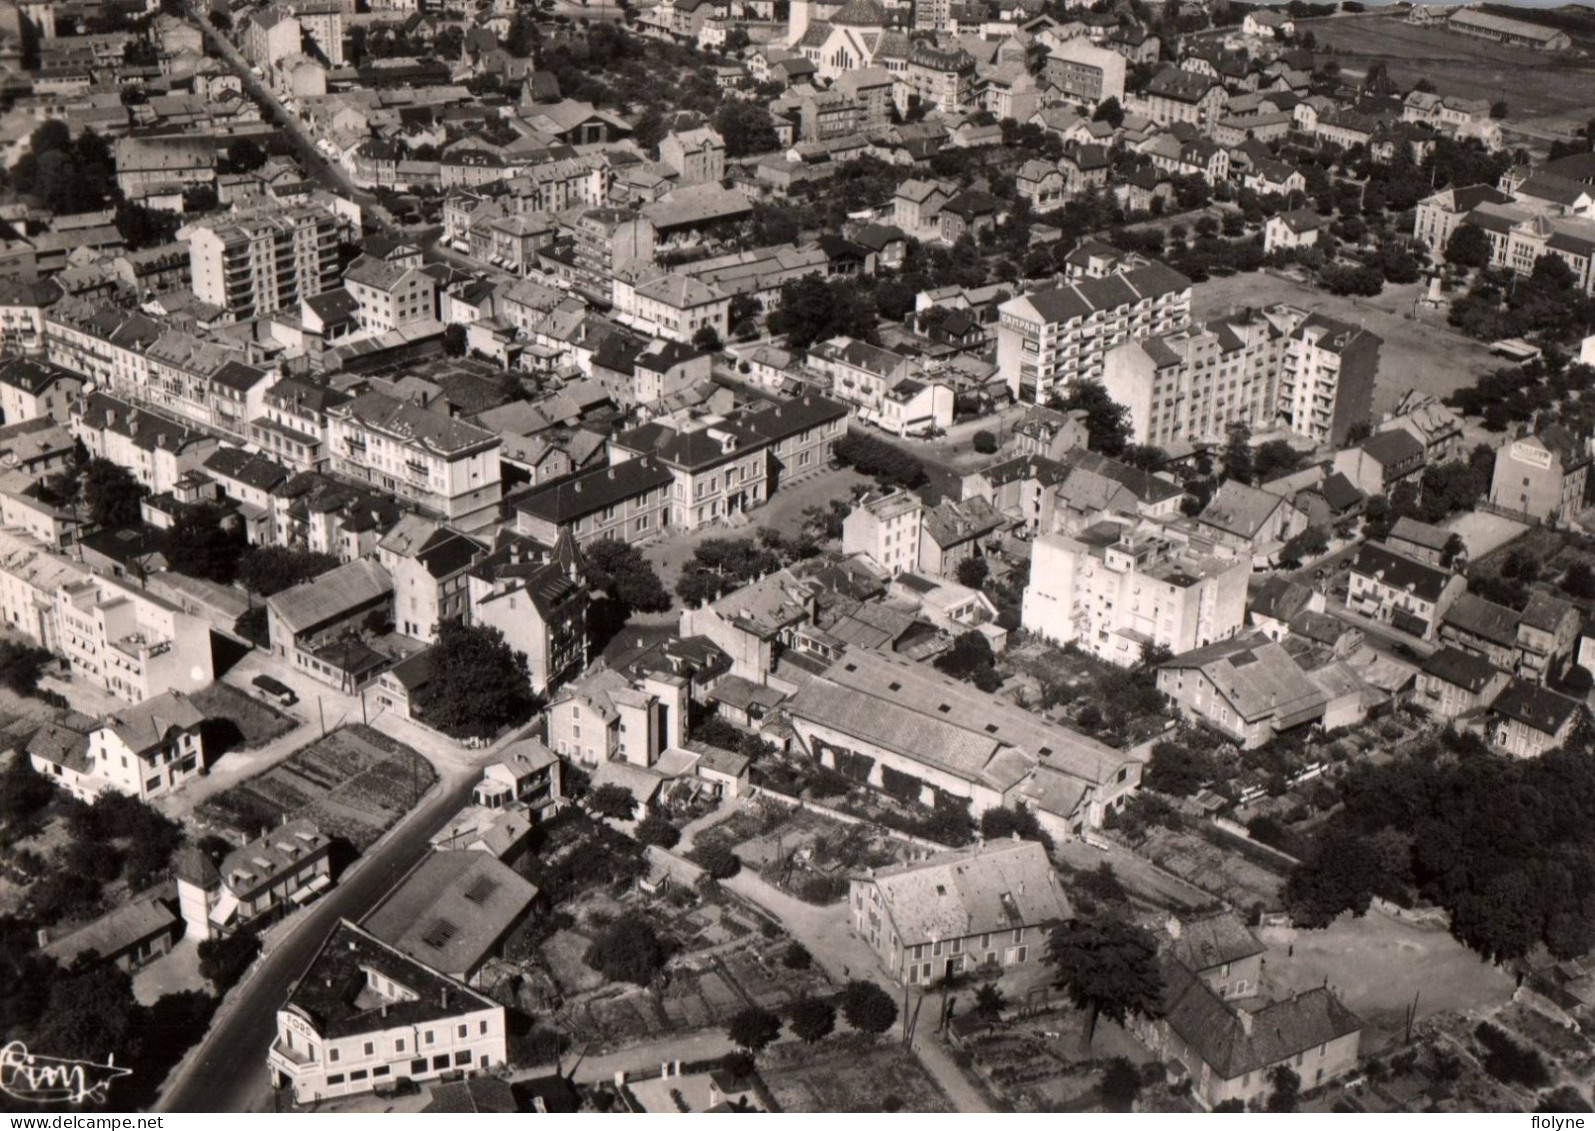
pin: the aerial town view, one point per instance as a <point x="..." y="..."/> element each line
<point x="802" y="556"/>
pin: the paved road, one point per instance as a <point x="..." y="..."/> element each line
<point x="229" y="1071"/>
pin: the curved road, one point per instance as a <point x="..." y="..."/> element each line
<point x="228" y="1072"/>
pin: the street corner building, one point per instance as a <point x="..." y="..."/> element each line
<point x="365" y="1014"/>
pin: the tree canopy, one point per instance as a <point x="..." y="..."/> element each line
<point x="1107" y="421"/>
<point x="479" y="684"/>
<point x="868" y="1008"/>
<point x="110" y="492"/>
<point x="628" y="950"/>
<point x="753" y="1029"/>
<point x="265" y="570"/>
<point x="1109" y="968"/>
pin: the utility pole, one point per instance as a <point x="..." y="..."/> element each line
<point x="321" y="707"/>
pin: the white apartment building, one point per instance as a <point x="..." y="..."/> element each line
<point x="1328" y="380"/>
<point x="257" y="262"/>
<point x="128" y="642"/>
<point x="887" y="528"/>
<point x="390" y="296"/>
<point x="30" y="575"/>
<point x="1049" y="340"/>
<point x="448" y="468"/>
<point x="365" y="1013"/>
<point x="1192" y="385"/>
<point x="1114" y="590"/>
<point x="670" y="304"/>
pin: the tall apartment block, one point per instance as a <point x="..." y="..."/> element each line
<point x="1326" y="385"/>
<point x="258" y="262"/>
<point x="1049" y="340"/>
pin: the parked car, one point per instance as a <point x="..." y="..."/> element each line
<point x="276" y="690"/>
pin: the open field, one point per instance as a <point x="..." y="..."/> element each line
<point x="1425" y="355"/>
<point x="1543" y="90"/>
<point x="354" y="783"/>
<point x="1378" y="965"/>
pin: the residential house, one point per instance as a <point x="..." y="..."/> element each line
<point x="1544" y="476"/>
<point x="986" y="907"/>
<point x="150" y="749"/>
<point x="886" y="528"/>
<point x="1454" y="683"/>
<point x="427" y="563"/>
<point x="1382" y="462"/>
<point x="539" y="602"/>
<point x="1526" y="720"/>
<point x="1401" y="591"/>
<point x="448" y="468"/>
<point x="282" y="869"/>
<point x="34" y="389"/>
<point x="128" y="937"/>
<point x="628" y="501"/>
<point x="1288" y="231"/>
<point x="1248" y="688"/>
<point x="1250" y="519"/>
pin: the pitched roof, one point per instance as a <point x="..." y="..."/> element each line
<point x="1546" y="612"/>
<point x="452" y="911"/>
<point x="145" y="725"/>
<point x="1378" y="561"/>
<point x="1419" y="533"/>
<point x="1240" y="509"/>
<point x="1535" y="706"/>
<point x="114" y="932"/>
<point x="1213" y="940"/>
<point x="331" y="596"/>
<point x="566" y="500"/>
<point x="1393" y="447"/>
<point x="1461" y="669"/>
<point x="1257" y="678"/>
<point x="983" y="889"/>
<point x="1281" y="598"/>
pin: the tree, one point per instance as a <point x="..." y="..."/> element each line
<point x="1341" y="874"/>
<point x="1468" y="247"/>
<point x="245" y="155"/>
<point x="454" y="343"/>
<point x="614" y="801"/>
<point x="654" y="829"/>
<point x="111" y="493"/>
<point x="707" y="339"/>
<point x="985" y="442"/>
<point x="971" y="660"/>
<point x="868" y="1008"/>
<point x="479" y="683"/>
<point x="1120" y="1086"/>
<point x="753" y="1029"/>
<point x="628" y="950"/>
<point x="814" y="309"/>
<point x="1456" y="548"/>
<point x="797" y="957"/>
<point x="200" y="545"/>
<point x="989" y="1002"/>
<point x="620" y="569"/>
<point x="1498" y="109"/>
<point x="1579" y="581"/>
<point x="1107" y="421"/>
<point x="223" y="960"/>
<point x="972" y="572"/>
<point x="1286" y="1089"/>
<point x="1274" y="459"/>
<point x="1238" y="454"/>
<point x="1177" y="770"/>
<point x="264" y="570"/>
<point x="1000" y="823"/>
<point x="1109" y="111"/>
<point x="21" y="665"/>
<point x="1309" y="544"/>
<point x="717" y="859"/>
<point x="812" y="1019"/>
<point x="745" y="128"/>
<point x="1109" y="968"/>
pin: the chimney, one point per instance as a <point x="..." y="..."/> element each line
<point x="44" y="937"/>
<point x="1246" y="1021"/>
<point x="1174" y="926"/>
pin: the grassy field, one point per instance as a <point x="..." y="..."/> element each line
<point x="1548" y="92"/>
<point x="1424" y="355"/>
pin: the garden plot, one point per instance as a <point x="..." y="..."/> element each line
<point x="850" y="1073"/>
<point x="1228" y="875"/>
<point x="354" y="783"/>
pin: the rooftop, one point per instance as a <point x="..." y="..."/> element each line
<point x="452" y="911"/>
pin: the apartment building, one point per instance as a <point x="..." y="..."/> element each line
<point x="315" y="626"/>
<point x="1085" y="73"/>
<point x="128" y="642"/>
<point x="887" y="528"/>
<point x="157" y="451"/>
<point x="698" y="156"/>
<point x="364" y="1014"/>
<point x="296" y="423"/>
<point x="1049" y="340"/>
<point x="671" y="304"/>
<point x="103" y="344"/>
<point x="22" y="309"/>
<point x="724" y="466"/>
<point x="446" y="467"/>
<point x="1544" y="475"/>
<point x="1114" y="590"/>
<point x="1178" y="95"/>
<point x="271" y="35"/>
<point x="627" y="501"/>
<point x="538" y="600"/>
<point x="606" y="716"/>
<point x="1438" y="215"/>
<point x="1527" y="721"/>
<point x="35" y="389"/>
<point x="206" y="383"/>
<point x="989" y="907"/>
<point x="30" y="575"/>
<point x="941" y="79"/>
<point x="1401" y="591"/>
<point x="1192" y="385"/>
<point x="1454" y="683"/>
<point x="860" y="374"/>
<point x="257" y="262"/>
<point x="603" y="242"/>
<point x="390" y="296"/>
<point x="428" y="563"/>
<point x="277" y="871"/>
<point x="1327" y="384"/>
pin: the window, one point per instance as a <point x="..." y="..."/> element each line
<point x="398" y="1045"/>
<point x="370" y="1048"/>
<point x="418" y="1066"/>
<point x="462" y="1058"/>
<point x="335" y="1078"/>
<point x="440" y="1061"/>
<point x="332" y="1055"/>
<point x="357" y="1074"/>
<point x="380" y="1070"/>
<point x="481" y="1027"/>
<point x="431" y="1037"/>
<point x="463" y="1031"/>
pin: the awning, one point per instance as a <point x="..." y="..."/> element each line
<point x="1409" y="623"/>
<point x="320" y="883"/>
<point x="226" y="907"/>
